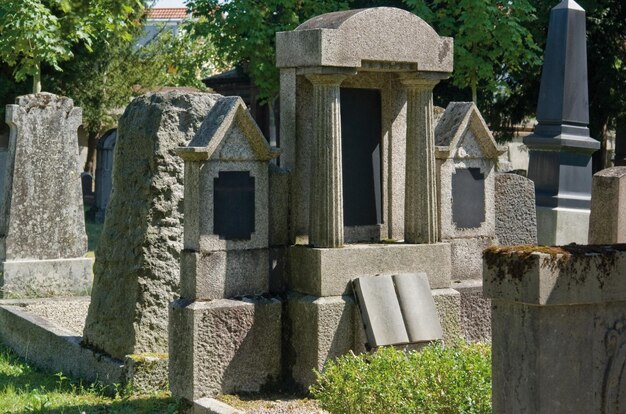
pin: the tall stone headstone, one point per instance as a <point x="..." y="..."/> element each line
<point x="560" y="146"/>
<point x="136" y="273"/>
<point x="42" y="226"/>
<point x="607" y="224"/>
<point x="516" y="217"/>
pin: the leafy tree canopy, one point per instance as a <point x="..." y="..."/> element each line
<point x="36" y="32"/>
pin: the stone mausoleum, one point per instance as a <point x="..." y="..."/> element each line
<point x="273" y="245"/>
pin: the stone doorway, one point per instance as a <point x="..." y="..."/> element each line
<point x="361" y="126"/>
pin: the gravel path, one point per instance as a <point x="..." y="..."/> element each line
<point x="272" y="404"/>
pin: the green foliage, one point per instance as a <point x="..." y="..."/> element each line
<point x="436" y="380"/>
<point x="490" y="38"/>
<point x="243" y="32"/>
<point x="24" y="389"/>
<point x="36" y="32"/>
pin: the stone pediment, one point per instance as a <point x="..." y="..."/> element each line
<point x="366" y="38"/>
<point x="229" y="133"/>
<point x="462" y="133"/>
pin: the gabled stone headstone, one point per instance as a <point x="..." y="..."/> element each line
<point x="136" y="272"/>
<point x="224" y="336"/>
<point x="467" y="156"/>
<point x="42" y="227"/>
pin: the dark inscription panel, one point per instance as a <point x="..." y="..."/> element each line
<point x="233" y="205"/>
<point x="468" y="198"/>
<point x="360" y="146"/>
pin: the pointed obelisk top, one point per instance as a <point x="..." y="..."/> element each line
<point x="568" y="4"/>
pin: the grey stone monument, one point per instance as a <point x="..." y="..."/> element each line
<point x="607" y="224"/>
<point x="466" y="155"/>
<point x="104" y="172"/>
<point x="136" y="272"/>
<point x="225" y="331"/>
<point x="357" y="136"/>
<point x="42" y="226"/>
<point x="560" y="146"/>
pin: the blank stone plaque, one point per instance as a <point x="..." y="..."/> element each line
<point x="468" y="198"/>
<point x="233" y="205"/>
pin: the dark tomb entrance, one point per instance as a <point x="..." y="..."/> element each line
<point x="360" y="146"/>
<point x="233" y="205"/>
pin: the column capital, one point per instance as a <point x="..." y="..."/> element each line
<point x="421" y="80"/>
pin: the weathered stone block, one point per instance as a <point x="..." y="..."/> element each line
<point x="328" y="272"/>
<point x="41" y="206"/>
<point x="224" y="346"/>
<point x="607" y="223"/>
<point x="467" y="257"/>
<point x="558" y="315"/>
<point x="319" y="329"/>
<point x="475" y="311"/>
<point x="516" y="217"/>
<point x="224" y="274"/>
<point x="136" y="273"/>
<point x="43" y="278"/>
<point x="448" y="304"/>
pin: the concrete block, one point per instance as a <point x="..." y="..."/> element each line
<point x="475" y="311"/>
<point x="224" y="274"/>
<point x="556" y="275"/>
<point x="146" y="373"/>
<point x="328" y="272"/>
<point x="318" y="329"/>
<point x="213" y="406"/>
<point x="559" y="226"/>
<point x="224" y="346"/>
<point x="467" y="257"/>
<point x="53" y="348"/>
<point x="46" y="278"/>
<point x="448" y="304"/>
<point x="607" y="223"/>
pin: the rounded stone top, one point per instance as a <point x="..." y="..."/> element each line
<point x="617" y="172"/>
<point x="368" y="39"/>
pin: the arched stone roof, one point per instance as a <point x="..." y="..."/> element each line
<point x="366" y="38"/>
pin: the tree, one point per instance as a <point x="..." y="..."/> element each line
<point x="36" y="32"/>
<point x="490" y="39"/>
<point x="243" y="32"/>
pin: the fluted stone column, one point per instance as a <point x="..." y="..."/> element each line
<point x="421" y="212"/>
<point x="326" y="205"/>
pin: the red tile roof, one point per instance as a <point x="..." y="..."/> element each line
<point x="172" y="13"/>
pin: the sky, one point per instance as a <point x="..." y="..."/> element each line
<point x="170" y="3"/>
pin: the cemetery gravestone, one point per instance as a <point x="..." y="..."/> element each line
<point x="136" y="272"/>
<point x="467" y="156"/>
<point x="607" y="223"/>
<point x="42" y="227"/>
<point x="104" y="172"/>
<point x="516" y="219"/>
<point x="219" y="341"/>
<point x="560" y="147"/>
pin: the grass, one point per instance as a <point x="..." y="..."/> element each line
<point x="24" y="389"/>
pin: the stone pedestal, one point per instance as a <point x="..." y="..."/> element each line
<point x="224" y="346"/>
<point x="559" y="226"/>
<point x="558" y="327"/>
<point x="42" y="226"/>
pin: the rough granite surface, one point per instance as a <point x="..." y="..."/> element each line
<point x="516" y="219"/>
<point x="136" y="273"/>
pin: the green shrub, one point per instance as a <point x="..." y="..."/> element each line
<point x="435" y="380"/>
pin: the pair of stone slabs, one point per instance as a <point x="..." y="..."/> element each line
<point x="397" y="309"/>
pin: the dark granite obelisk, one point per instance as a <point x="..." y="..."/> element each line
<point x="560" y="146"/>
